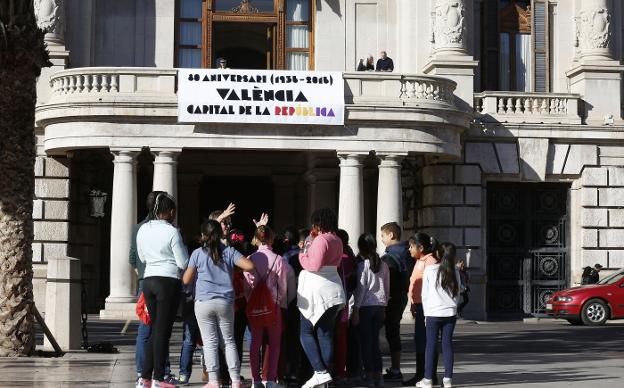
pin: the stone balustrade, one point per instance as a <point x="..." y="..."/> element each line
<point x="531" y="108"/>
<point x="399" y="89"/>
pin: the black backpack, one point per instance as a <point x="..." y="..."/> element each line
<point x="586" y="276"/>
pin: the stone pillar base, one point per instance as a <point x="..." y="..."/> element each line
<point x="119" y="311"/>
<point x="590" y="80"/>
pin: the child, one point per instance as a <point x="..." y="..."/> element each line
<point x="423" y="250"/>
<point x="397" y="257"/>
<point x="214" y="297"/>
<point x="440" y="292"/>
<point x="370" y="300"/>
<point x="271" y="271"/>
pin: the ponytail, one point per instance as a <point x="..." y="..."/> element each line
<point x="211" y="240"/>
<point x="162" y="204"/>
<point x="367" y="246"/>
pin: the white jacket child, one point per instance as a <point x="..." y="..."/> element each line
<point x="436" y="301"/>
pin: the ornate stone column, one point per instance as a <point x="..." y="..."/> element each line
<point x="597" y="69"/>
<point x="51" y="18"/>
<point x="389" y="194"/>
<point x="450" y="57"/>
<point x="166" y="171"/>
<point x="351" y="196"/>
<point x="594" y="30"/>
<point x="123" y="219"/>
<point x="449" y="27"/>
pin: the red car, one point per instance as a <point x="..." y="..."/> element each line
<point x="591" y="304"/>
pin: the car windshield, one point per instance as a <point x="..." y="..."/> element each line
<point x="612" y="278"/>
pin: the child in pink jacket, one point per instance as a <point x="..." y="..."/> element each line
<point x="270" y="268"/>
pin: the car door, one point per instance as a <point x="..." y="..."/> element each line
<point x="616" y="296"/>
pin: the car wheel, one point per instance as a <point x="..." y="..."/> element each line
<point x="595" y="312"/>
<point x="575" y="321"/>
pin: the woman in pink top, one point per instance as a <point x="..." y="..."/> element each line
<point x="320" y="295"/>
<point x="269" y="268"/>
<point x="423" y="249"/>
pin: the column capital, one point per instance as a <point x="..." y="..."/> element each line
<point x="124" y="155"/>
<point x="351" y="159"/>
<point x="166" y="153"/>
<point x="390" y="160"/>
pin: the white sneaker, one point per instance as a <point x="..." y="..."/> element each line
<point x="319" y="378"/>
<point x="448" y="383"/>
<point x="424" y="383"/>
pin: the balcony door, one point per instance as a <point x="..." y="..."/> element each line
<point x="248" y="34"/>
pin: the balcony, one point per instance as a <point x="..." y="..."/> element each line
<point x="137" y="107"/>
<point x="527" y="108"/>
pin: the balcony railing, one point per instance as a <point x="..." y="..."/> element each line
<point x="530" y="108"/>
<point x="151" y="92"/>
<point x="399" y="89"/>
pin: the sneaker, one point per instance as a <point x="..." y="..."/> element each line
<point x="163" y="384"/>
<point x="143" y="383"/>
<point x="184" y="380"/>
<point x="448" y="383"/>
<point x="424" y="383"/>
<point x="171" y="379"/>
<point x="394" y="375"/>
<point x="318" y="378"/>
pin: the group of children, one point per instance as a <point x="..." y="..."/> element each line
<point x="314" y="309"/>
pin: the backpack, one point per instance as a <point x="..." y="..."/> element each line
<point x="261" y="309"/>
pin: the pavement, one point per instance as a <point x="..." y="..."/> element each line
<point x="537" y="353"/>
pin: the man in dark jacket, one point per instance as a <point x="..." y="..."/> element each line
<point x="400" y="264"/>
<point x="384" y="63"/>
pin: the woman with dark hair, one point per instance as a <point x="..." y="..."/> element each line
<point x="423" y="250"/>
<point x="320" y="295"/>
<point x="211" y="267"/>
<point x="440" y="294"/>
<point x="369" y="306"/>
<point x="160" y="247"/>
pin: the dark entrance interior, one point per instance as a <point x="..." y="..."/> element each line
<point x="244" y="45"/>
<point x="252" y="196"/>
<point x="527" y="244"/>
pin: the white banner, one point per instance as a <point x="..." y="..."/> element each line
<point x="260" y="96"/>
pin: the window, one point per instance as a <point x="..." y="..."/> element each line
<point x="515" y="45"/>
<point x="248" y="34"/>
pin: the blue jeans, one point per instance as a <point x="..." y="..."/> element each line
<point x="371" y="321"/>
<point x="189" y="343"/>
<point x="435" y="326"/>
<point x="318" y="340"/>
<point x="420" y="334"/>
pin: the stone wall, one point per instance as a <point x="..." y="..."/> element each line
<point x="451" y="211"/>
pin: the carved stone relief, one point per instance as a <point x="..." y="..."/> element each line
<point x="51" y="18"/>
<point x="449" y="25"/>
<point x="594" y="29"/>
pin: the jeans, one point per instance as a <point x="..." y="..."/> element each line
<point x="394" y="314"/>
<point x="162" y="295"/>
<point x="216" y="320"/>
<point x="371" y="321"/>
<point x="420" y="334"/>
<point x="435" y="326"/>
<point x="318" y="340"/>
<point x="189" y="343"/>
<point x="354" y="359"/>
<point x="271" y="350"/>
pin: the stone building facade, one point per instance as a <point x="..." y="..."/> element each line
<point x="500" y="130"/>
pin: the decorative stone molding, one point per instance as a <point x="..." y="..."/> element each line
<point x="449" y="26"/>
<point x="594" y="30"/>
<point x="51" y="18"/>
